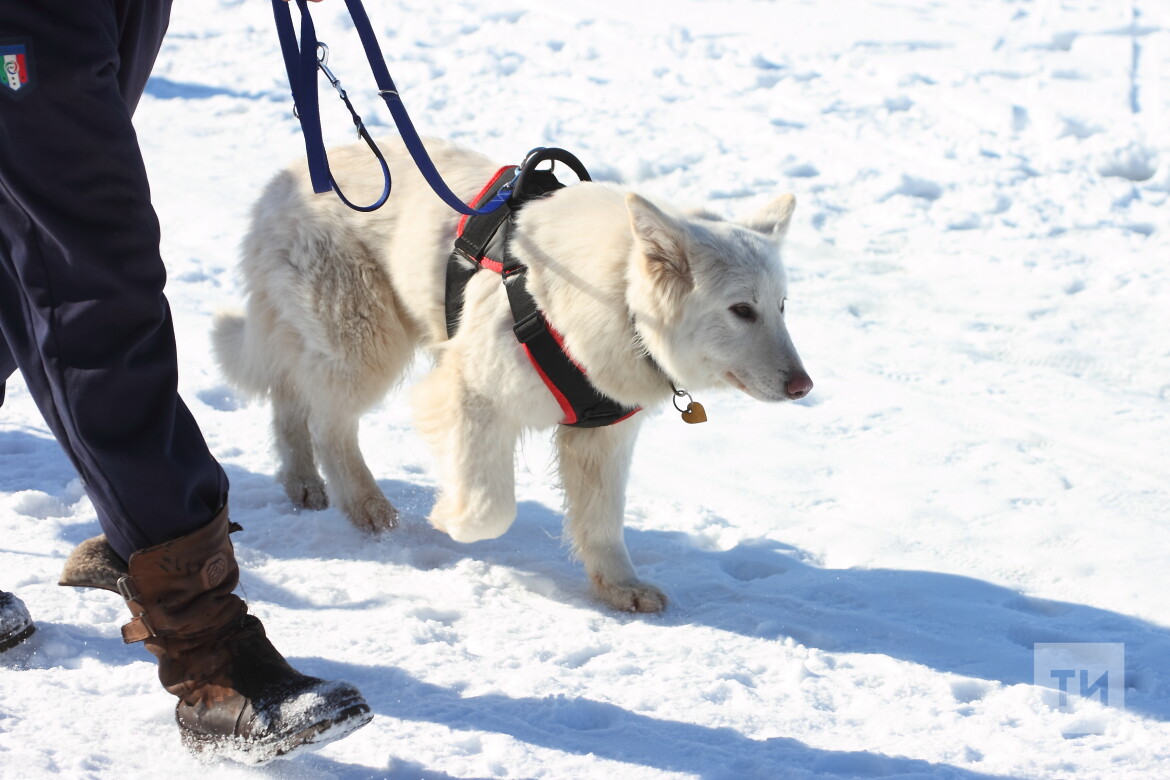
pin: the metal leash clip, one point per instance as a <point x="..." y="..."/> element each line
<point x="323" y="64"/>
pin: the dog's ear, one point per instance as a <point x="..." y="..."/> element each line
<point x="772" y="220"/>
<point x="662" y="244"/>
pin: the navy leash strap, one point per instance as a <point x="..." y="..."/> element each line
<point x="301" y="63"/>
<point x="301" y="67"/>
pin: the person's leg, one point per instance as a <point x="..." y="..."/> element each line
<point x="81" y="279"/>
<point x="82" y="309"/>
<point x="7" y="365"/>
<point x="141" y="27"/>
<point x="16" y="624"/>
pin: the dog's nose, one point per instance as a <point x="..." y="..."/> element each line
<point x="798" y="386"/>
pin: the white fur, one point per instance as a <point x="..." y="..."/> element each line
<point x="339" y="301"/>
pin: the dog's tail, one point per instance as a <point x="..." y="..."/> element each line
<point x="229" y="343"/>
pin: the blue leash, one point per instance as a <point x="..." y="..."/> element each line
<point x="302" y="61"/>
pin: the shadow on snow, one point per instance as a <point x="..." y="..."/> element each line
<point x="761" y="589"/>
<point x="583" y="727"/>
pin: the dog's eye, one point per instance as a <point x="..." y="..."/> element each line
<point x="744" y="312"/>
<point x="782" y="302"/>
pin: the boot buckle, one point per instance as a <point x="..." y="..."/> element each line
<point x="127" y="590"/>
<point x="139" y="628"/>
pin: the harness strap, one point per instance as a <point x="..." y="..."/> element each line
<point x="482" y="242"/>
<point x="581" y="403"/>
<point x="471" y="245"/>
<point x="476" y="234"/>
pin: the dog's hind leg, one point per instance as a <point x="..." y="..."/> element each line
<point x="294" y="448"/>
<point x="350" y="483"/>
<point x="475" y="447"/>
<point x="594" y="467"/>
<point x="356" y="346"/>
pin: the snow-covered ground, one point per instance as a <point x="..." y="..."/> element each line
<point x="979" y="287"/>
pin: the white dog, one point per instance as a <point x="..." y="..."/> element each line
<point x="646" y="299"/>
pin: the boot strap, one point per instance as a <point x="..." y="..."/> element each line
<point x="136" y="631"/>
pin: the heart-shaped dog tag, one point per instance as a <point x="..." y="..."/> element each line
<point x="694" y="413"/>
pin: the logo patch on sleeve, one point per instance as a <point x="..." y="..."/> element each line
<point x="17" y="75"/>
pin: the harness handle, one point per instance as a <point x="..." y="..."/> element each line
<point x="541" y="154"/>
<point x="301" y="64"/>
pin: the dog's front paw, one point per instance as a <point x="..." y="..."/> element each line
<point x="374" y="514"/>
<point x="464" y="526"/>
<point x="635" y="596"/>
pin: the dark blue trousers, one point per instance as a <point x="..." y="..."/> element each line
<point x="82" y="310"/>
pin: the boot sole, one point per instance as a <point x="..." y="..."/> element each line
<point x="261" y="751"/>
<point x="14" y="640"/>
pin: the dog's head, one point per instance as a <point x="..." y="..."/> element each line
<point x="708" y="299"/>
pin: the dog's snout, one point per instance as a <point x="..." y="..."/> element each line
<point x="798" y="386"/>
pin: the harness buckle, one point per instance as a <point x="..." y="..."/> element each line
<point x="529" y="328"/>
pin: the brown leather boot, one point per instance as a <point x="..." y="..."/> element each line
<point x="238" y="697"/>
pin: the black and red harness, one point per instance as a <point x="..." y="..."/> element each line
<point x="483" y="243"/>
